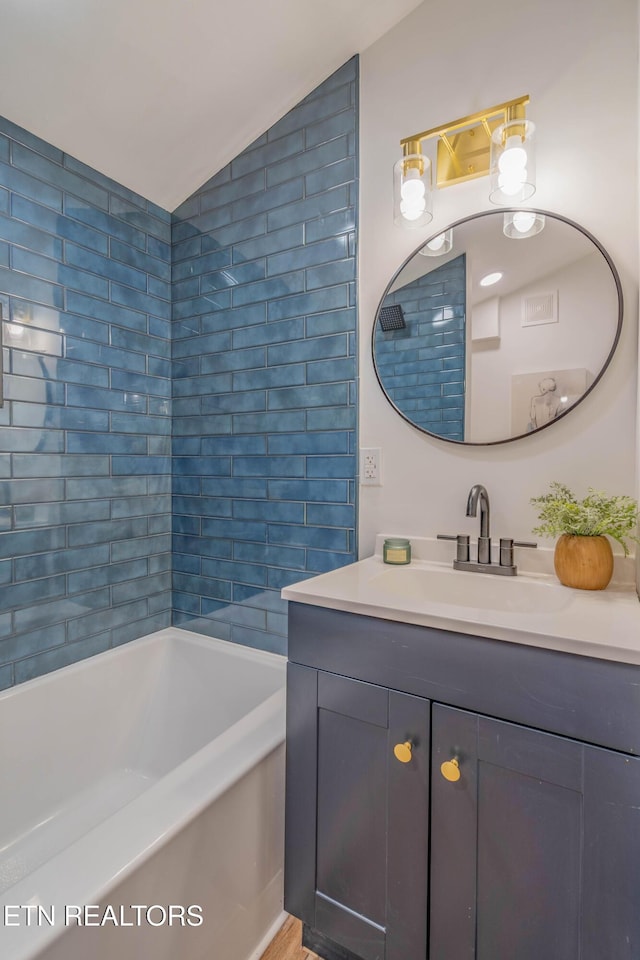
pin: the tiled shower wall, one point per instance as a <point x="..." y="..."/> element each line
<point x="265" y="390"/>
<point x="85" y="428"/>
<point x="264" y="321"/>
<point x="423" y="366"/>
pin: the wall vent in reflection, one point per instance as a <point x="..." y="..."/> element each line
<point x="392" y="318"/>
<point x="540" y="308"/>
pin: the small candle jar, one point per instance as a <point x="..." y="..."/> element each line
<point x="396" y="550"/>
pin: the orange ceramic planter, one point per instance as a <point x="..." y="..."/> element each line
<point x="583" y="562"/>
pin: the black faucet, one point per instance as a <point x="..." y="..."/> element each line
<point x="479" y="493"/>
<point x="463" y="561"/>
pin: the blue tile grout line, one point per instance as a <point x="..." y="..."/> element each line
<point x="250" y="379"/>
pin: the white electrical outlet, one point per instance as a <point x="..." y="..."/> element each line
<point x="371" y="467"/>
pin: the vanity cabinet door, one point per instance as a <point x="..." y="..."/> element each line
<point x="535" y="850"/>
<point x="357" y="817"/>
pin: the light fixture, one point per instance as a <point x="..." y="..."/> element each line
<point x="412" y="189"/>
<point x="439" y="245"/>
<point x="490" y="279"/>
<point x="513" y="169"/>
<point x="520" y="224"/>
<point x="498" y="141"/>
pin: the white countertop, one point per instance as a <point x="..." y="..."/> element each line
<point x="531" y="608"/>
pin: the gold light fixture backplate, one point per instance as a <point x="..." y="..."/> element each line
<point x="464" y="146"/>
<point x="464" y="155"/>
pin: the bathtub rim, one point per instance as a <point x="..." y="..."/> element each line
<point x="153" y="818"/>
<point x="243" y="652"/>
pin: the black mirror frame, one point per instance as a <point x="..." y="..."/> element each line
<point x="561" y="416"/>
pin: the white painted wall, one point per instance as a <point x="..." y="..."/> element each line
<point x="582" y="338"/>
<point x="578" y="61"/>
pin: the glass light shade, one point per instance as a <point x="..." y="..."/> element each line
<point x="513" y="162"/>
<point x="439" y="245"/>
<point x="521" y="224"/>
<point x="412" y="198"/>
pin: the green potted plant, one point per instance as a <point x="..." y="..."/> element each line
<point x="583" y="556"/>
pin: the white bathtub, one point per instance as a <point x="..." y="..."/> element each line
<point x="148" y="776"/>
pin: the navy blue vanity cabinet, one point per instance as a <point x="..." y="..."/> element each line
<point x="534" y="849"/>
<point x="505" y="825"/>
<point x="357" y="818"/>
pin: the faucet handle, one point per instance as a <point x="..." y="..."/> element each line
<point x="462" y="543"/>
<point x="506" y="549"/>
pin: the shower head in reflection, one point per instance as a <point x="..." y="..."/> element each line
<point x="392" y="318"/>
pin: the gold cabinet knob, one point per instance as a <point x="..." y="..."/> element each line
<point x="402" y="751"/>
<point x="450" y="770"/>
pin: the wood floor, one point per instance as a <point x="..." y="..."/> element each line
<point x="287" y="944"/>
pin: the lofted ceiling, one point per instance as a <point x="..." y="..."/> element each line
<point x="160" y="94"/>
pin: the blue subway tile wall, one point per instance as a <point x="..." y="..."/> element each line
<point x="422" y="366"/>
<point x="264" y="321"/>
<point x="85" y="494"/>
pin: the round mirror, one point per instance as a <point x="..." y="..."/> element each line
<point x="497" y="327"/>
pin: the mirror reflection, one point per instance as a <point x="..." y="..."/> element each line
<point x="497" y="327"/>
